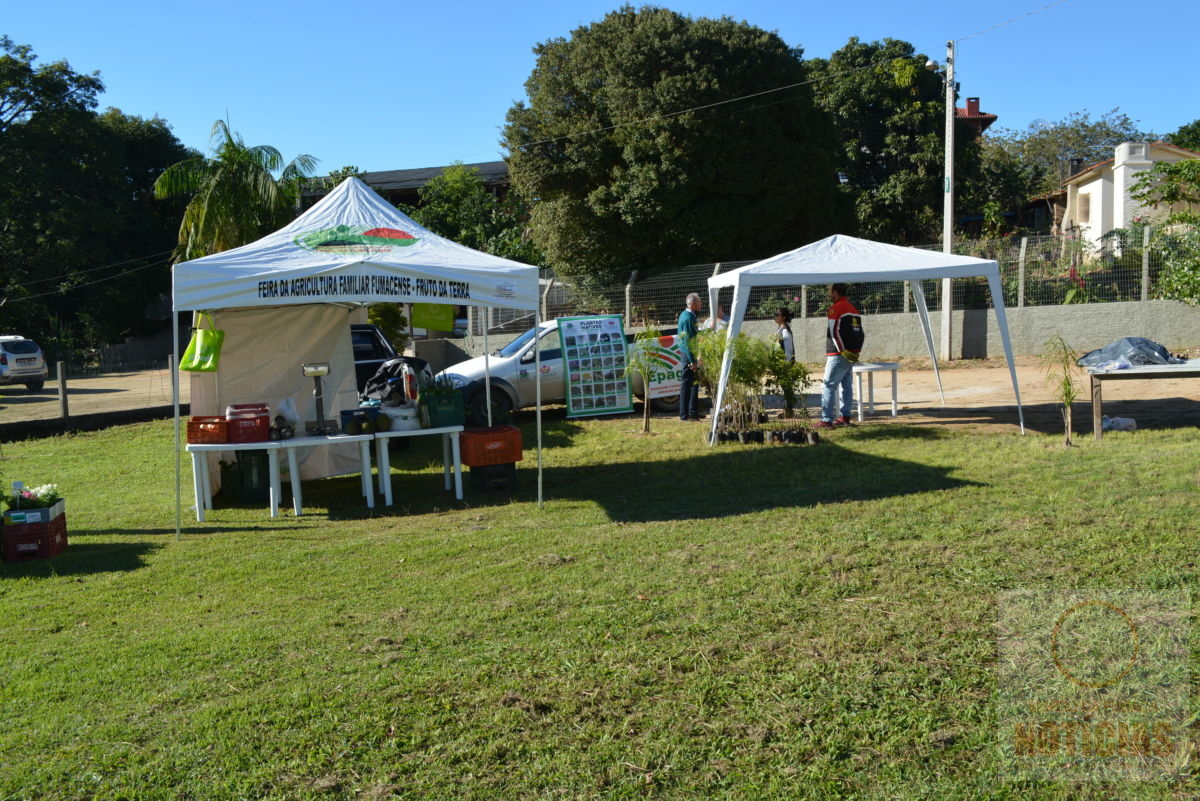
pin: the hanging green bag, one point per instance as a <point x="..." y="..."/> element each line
<point x="204" y="350"/>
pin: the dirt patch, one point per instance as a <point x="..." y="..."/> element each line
<point x="114" y="392"/>
<point x="979" y="395"/>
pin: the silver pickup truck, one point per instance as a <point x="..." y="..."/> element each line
<point x="513" y="377"/>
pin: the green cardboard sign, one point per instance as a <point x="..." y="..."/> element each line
<point x="437" y="316"/>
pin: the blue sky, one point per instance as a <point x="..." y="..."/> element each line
<point x="393" y="85"/>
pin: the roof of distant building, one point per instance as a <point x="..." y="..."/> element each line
<point x="492" y="172"/>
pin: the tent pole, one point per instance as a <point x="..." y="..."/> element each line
<point x="735" y="325"/>
<point x="1002" y="322"/>
<point x="537" y="366"/>
<point x="487" y="373"/>
<point x="923" y="312"/>
<point x="175" y="404"/>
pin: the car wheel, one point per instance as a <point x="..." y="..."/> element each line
<point x="668" y="404"/>
<point x="502" y="407"/>
<point x="35" y="386"/>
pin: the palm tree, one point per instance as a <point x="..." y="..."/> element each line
<point x="236" y="197"/>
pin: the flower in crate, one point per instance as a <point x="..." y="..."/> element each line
<point x="33" y="497"/>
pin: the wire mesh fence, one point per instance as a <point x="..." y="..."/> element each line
<point x="1034" y="271"/>
<point x="81" y="389"/>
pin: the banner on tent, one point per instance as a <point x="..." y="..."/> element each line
<point x="594" y="358"/>
<point x="350" y="286"/>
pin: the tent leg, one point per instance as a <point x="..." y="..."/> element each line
<point x="537" y="366"/>
<point x="487" y="374"/>
<point x="1002" y="323"/>
<point x="923" y="313"/>
<point x="175" y="405"/>
<point x="736" y="315"/>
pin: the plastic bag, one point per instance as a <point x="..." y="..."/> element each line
<point x="1131" y="351"/>
<point x="286" y="409"/>
<point x="204" y="350"/>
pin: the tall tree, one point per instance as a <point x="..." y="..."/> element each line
<point x="235" y="196"/>
<point x="459" y="206"/>
<point x="638" y="153"/>
<point x="1046" y="149"/>
<point x="889" y="112"/>
<point x="82" y="245"/>
<point x="1187" y="136"/>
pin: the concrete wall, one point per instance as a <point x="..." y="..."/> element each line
<point x="1084" y="326"/>
<point x="976" y="336"/>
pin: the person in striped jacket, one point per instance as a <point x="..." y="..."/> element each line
<point x="843" y="342"/>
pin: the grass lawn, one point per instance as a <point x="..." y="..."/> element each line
<point x="678" y="621"/>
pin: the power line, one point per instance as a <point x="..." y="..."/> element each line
<point x="94" y="269"/>
<point x="999" y="25"/>
<point x="89" y="283"/>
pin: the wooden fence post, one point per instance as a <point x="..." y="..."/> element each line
<point x="63" y="408"/>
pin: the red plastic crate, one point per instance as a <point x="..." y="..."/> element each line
<point x="23" y="541"/>
<point x="205" y="429"/>
<point x="487" y="446"/>
<point x="248" y="422"/>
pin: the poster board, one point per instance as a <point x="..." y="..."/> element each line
<point x="666" y="379"/>
<point x="594" y="360"/>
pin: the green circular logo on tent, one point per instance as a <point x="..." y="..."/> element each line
<point x="355" y="239"/>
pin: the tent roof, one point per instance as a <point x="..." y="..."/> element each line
<point x="352" y="247"/>
<point x="846" y="258"/>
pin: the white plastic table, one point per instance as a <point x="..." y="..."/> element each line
<point x="450" y="446"/>
<point x="290" y="446"/>
<point x="202" y="484"/>
<point x="870" y="369"/>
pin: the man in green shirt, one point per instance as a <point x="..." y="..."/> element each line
<point x="689" y="391"/>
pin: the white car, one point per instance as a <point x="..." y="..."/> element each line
<point x="513" y="377"/>
<point x="22" y="362"/>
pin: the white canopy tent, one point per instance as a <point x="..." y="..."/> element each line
<point x="290" y="294"/>
<point x="841" y="258"/>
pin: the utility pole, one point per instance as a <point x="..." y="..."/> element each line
<point x="948" y="204"/>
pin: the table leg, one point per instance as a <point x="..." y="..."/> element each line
<point x="457" y="466"/>
<point x="871" y="392"/>
<point x="895" y="407"/>
<point x="1097" y="423"/>
<point x="294" y="477"/>
<point x="446" y="459"/>
<point x="368" y="488"/>
<point x="198" y="485"/>
<point x="860" y="398"/>
<point x="206" y="479"/>
<point x="379" y="453"/>
<point x="276" y="490"/>
<point x="383" y="463"/>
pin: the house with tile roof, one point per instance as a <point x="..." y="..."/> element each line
<point x="1098" y="199"/>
